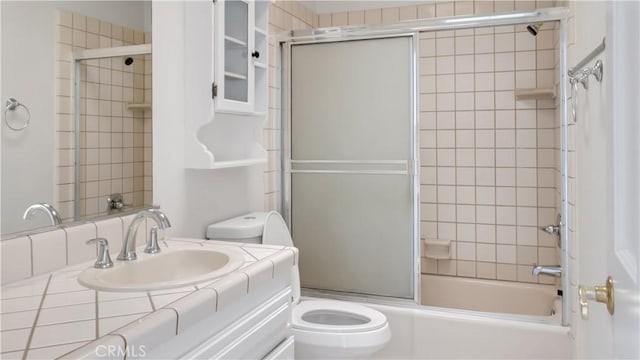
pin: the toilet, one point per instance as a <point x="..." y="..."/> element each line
<point x="322" y="328"/>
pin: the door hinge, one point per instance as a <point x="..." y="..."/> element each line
<point x="214" y="90"/>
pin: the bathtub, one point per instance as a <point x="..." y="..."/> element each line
<point x="436" y="333"/>
<point x="478" y="319"/>
<point x="536" y="302"/>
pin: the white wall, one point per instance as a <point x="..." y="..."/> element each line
<point x="28" y="64"/>
<point x="191" y="198"/>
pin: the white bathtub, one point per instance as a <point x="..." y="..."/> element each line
<point x="491" y="296"/>
<point x="432" y="333"/>
<point x="471" y="319"/>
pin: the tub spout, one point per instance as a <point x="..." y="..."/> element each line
<point x="551" y="270"/>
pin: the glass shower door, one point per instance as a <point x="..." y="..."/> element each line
<point x="352" y="154"/>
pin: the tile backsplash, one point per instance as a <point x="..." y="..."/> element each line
<point x="40" y="253"/>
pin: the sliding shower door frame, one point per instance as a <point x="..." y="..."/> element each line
<point x="413" y="28"/>
<point x="412" y="164"/>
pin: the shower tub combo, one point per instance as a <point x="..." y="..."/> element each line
<point x="459" y="317"/>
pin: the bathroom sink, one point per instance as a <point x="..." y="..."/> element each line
<point x="168" y="269"/>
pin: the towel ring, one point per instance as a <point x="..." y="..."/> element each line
<point x="12" y="105"/>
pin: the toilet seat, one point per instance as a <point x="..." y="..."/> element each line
<point x="336" y="317"/>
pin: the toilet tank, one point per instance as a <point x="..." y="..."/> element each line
<point x="245" y="228"/>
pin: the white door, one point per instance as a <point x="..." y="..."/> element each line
<point x="608" y="183"/>
<point x="624" y="251"/>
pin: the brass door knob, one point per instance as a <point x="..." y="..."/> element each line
<point x="602" y="294"/>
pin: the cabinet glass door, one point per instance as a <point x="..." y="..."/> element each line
<point x="236" y="51"/>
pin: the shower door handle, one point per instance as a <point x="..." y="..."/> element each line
<point x="602" y="294"/>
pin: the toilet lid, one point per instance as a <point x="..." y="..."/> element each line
<point x="336" y="316"/>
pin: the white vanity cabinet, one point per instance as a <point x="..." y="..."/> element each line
<point x="240" y="56"/>
<point x="264" y="332"/>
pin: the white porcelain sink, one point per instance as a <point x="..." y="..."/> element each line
<point x="168" y="269"/>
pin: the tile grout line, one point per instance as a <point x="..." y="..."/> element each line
<point x="31" y="256"/>
<point x="153" y="306"/>
<point x="97" y="307"/>
<point x="35" y="321"/>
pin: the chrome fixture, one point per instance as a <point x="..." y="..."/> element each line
<point x="582" y="76"/>
<point x="534" y="28"/>
<point x="12" y="105"/>
<point x="128" y="251"/>
<point x="104" y="260"/>
<point x="52" y="213"/>
<point x="551" y="270"/>
<point x="578" y="68"/>
<point x="554" y="229"/>
<point x="115" y="203"/>
<point x="152" y="245"/>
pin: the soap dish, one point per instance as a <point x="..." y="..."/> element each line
<point x="437" y="249"/>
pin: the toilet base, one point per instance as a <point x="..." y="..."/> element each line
<point x="323" y="345"/>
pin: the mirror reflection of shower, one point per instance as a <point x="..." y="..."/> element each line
<point x="115" y="134"/>
<point x="111" y="113"/>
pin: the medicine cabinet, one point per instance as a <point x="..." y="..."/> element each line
<point x="241" y="52"/>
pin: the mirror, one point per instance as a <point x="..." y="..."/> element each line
<point x="40" y="41"/>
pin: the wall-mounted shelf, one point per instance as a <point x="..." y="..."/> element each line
<point x="138" y="106"/>
<point x="237" y="163"/>
<point x="536" y="94"/>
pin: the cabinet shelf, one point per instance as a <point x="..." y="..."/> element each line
<point x="237" y="163"/>
<point x="261" y="31"/>
<point x="260" y="64"/>
<point x="233" y="40"/>
<point x="234" y="75"/>
<point x="536" y="94"/>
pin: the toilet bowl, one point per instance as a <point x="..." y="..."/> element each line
<point x="322" y="328"/>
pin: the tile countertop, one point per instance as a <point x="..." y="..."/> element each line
<point x="50" y="315"/>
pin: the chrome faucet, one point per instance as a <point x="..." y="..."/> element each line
<point x="128" y="251"/>
<point x="52" y="213"/>
<point x="551" y="270"/>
